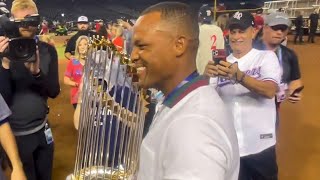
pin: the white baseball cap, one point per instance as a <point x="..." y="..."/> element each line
<point x="83" y="19"/>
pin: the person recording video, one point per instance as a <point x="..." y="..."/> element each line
<point x="33" y="76"/>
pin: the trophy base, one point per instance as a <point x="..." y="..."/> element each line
<point x="102" y="173"/>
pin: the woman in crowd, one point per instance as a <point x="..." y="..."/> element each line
<point x="117" y="40"/>
<point x="74" y="71"/>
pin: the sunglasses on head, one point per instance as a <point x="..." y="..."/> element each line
<point x="279" y="27"/>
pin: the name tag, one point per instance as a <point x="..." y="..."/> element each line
<point x="266" y="136"/>
<point x="49" y="137"/>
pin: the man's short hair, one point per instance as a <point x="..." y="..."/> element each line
<point x="177" y="14"/>
<point x="23" y="4"/>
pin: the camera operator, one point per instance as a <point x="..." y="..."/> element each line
<point x="83" y="29"/>
<point x="33" y="81"/>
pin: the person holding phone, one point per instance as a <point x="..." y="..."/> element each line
<point x="247" y="82"/>
<point x="273" y="33"/>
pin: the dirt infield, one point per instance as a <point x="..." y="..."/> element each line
<point x="299" y="134"/>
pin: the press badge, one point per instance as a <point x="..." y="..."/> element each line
<point x="48" y="134"/>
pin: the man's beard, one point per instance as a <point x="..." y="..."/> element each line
<point x="83" y="32"/>
<point x="28" y="34"/>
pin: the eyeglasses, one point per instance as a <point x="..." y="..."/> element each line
<point x="280" y="27"/>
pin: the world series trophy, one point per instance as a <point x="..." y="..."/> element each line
<point x="111" y="118"/>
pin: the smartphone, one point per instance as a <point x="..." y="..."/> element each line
<point x="298" y="90"/>
<point x="219" y="55"/>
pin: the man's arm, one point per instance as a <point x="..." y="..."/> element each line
<point x="293" y="85"/>
<point x="48" y="84"/>
<point x="265" y="88"/>
<point x="266" y="85"/>
<point x="295" y="76"/>
<point x="67" y="55"/>
<point x="70" y="47"/>
<point x="8" y="142"/>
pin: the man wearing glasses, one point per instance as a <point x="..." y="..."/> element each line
<point x="274" y="32"/>
<point x="33" y="83"/>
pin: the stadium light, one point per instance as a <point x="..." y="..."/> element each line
<point x="62" y="14"/>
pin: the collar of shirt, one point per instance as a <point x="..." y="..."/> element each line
<point x="191" y="83"/>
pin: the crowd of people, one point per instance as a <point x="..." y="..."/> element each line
<point x="218" y="115"/>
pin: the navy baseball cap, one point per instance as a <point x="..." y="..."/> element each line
<point x="241" y="20"/>
<point x="205" y="14"/>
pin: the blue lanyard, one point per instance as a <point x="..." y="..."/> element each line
<point x="279" y="53"/>
<point x="185" y="81"/>
<point x="36" y="38"/>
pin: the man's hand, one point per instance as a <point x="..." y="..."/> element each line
<point x="68" y="55"/>
<point x="223" y="69"/>
<point x="18" y="174"/>
<point x="227" y="70"/>
<point x="293" y="85"/>
<point x="295" y="98"/>
<point x="124" y="24"/>
<point x="211" y="69"/>
<point x="34" y="67"/>
<point x="4" y="43"/>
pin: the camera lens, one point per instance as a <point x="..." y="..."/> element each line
<point x="22" y="49"/>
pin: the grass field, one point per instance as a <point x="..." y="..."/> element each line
<point x="60" y="49"/>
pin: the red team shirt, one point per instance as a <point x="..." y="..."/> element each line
<point x="119" y="43"/>
<point x="74" y="71"/>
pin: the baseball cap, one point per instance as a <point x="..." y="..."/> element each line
<point x="83" y="19"/>
<point x="241" y="20"/>
<point x="205" y="14"/>
<point x="277" y="18"/>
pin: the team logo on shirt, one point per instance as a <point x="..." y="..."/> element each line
<point x="78" y="72"/>
<point x="255" y="73"/>
<point x="208" y="13"/>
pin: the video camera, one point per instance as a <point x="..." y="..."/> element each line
<point x="20" y="48"/>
